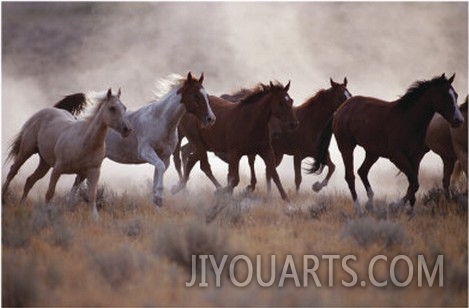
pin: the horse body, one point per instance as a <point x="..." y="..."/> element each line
<point x="394" y="130"/>
<point x="154" y="134"/>
<point x="449" y="143"/>
<point x="312" y="116"/>
<point x="67" y="145"/>
<point x="241" y="129"/>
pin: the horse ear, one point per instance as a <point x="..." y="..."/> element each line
<point x="345" y="81"/>
<point x="287" y="86"/>
<point x="443" y="76"/>
<point x="119" y="93"/>
<point x="332" y="82"/>
<point x="271" y="85"/>
<point x="201" y="79"/>
<point x="451" y="79"/>
<point x="109" y="94"/>
<point x="189" y="76"/>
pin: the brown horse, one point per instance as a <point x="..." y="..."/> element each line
<point x="394" y="130"/>
<point x="449" y="143"/>
<point x="241" y="129"/>
<point x="312" y="116"/>
<point x="67" y="145"/>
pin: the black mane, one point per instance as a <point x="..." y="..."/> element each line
<point x="259" y="91"/>
<point x="74" y="103"/>
<point x="417" y="89"/>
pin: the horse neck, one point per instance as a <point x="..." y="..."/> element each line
<point x="316" y="110"/>
<point x="262" y="110"/>
<point x="169" y="108"/>
<point x="96" y="130"/>
<point x="420" y="113"/>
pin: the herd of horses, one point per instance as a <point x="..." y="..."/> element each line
<point x="254" y="121"/>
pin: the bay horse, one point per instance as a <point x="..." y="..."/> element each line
<point x="449" y="143"/>
<point x="241" y="129"/>
<point x="312" y="115"/>
<point x="154" y="136"/>
<point x="394" y="130"/>
<point x="66" y="144"/>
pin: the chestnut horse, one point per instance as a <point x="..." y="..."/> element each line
<point x="312" y="116"/>
<point x="67" y="145"/>
<point x="394" y="130"/>
<point x="155" y="128"/>
<point x="449" y="143"/>
<point x="241" y="129"/>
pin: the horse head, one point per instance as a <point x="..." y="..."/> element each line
<point x="445" y="101"/>
<point x="195" y="99"/>
<point x="114" y="114"/>
<point x="339" y="93"/>
<point x="282" y="105"/>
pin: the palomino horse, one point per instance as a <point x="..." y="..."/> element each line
<point x="449" y="143"/>
<point x="66" y="144"/>
<point x="394" y="130"/>
<point x="154" y="136"/>
<point x="241" y="129"/>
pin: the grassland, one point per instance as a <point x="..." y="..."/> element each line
<point x="55" y="255"/>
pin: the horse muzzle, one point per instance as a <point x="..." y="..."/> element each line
<point x="125" y="132"/>
<point x="209" y="120"/>
<point x="457" y="122"/>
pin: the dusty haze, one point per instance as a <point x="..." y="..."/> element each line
<point x="50" y="50"/>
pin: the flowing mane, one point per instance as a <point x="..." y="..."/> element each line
<point x="259" y="91"/>
<point x="316" y="98"/>
<point x="73" y="103"/>
<point x="165" y="85"/>
<point x="94" y="102"/>
<point x="416" y="90"/>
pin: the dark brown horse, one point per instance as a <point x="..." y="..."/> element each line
<point x="242" y="129"/>
<point x="394" y="130"/>
<point x="312" y="115"/>
<point x="301" y="143"/>
<point x="449" y="143"/>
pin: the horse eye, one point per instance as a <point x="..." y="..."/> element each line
<point x="112" y="108"/>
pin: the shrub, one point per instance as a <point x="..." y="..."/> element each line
<point x="367" y="231"/>
<point x="19" y="280"/>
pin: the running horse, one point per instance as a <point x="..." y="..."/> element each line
<point x="68" y="145"/>
<point x="301" y="143"/>
<point x="154" y="136"/>
<point x="394" y="130"/>
<point x="241" y="129"/>
<point x="449" y="143"/>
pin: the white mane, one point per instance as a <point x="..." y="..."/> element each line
<point x="164" y="85"/>
<point x="93" y="99"/>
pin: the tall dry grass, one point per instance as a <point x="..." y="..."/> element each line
<point x="136" y="255"/>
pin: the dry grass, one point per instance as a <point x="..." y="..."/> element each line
<point x="135" y="255"/>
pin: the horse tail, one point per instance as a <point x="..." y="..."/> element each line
<point x="74" y="103"/>
<point x="322" y="149"/>
<point x="14" y="148"/>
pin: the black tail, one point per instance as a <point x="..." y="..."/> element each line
<point x="74" y="103"/>
<point x="322" y="149"/>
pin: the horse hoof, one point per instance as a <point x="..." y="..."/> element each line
<point x="369" y="207"/>
<point x="250" y="188"/>
<point x="177" y="188"/>
<point x="317" y="187"/>
<point x="158" y="201"/>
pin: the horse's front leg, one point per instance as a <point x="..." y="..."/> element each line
<point x="148" y="153"/>
<point x="76" y="185"/>
<point x="233" y="173"/>
<point x="92" y="182"/>
<point x="270" y="163"/>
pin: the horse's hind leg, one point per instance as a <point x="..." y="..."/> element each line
<point x="76" y="185"/>
<point x="297" y="167"/>
<point x="38" y="174"/>
<point x="269" y="160"/>
<point x="347" y="157"/>
<point x="92" y="181"/>
<point x="205" y="166"/>
<point x="20" y="159"/>
<point x="52" y="183"/>
<point x="363" y="171"/>
<point x="191" y="161"/>
<point x="330" y="170"/>
<point x="177" y="157"/>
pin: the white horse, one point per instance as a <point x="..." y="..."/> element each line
<point x="154" y="134"/>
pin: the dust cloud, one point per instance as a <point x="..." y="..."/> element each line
<point x="54" y="49"/>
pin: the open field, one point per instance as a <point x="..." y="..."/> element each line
<point x="134" y="255"/>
